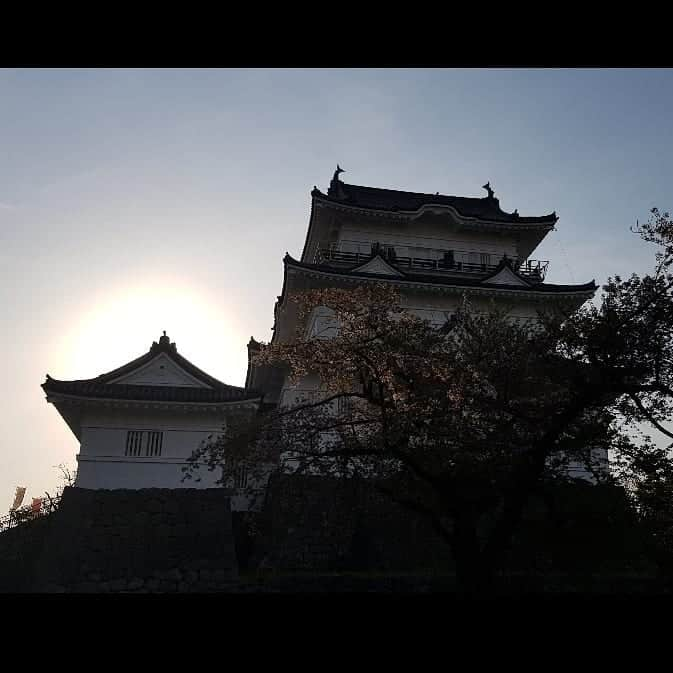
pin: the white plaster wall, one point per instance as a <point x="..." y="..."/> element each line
<point x="111" y="442"/>
<point x="102" y="463"/>
<point x="322" y="323"/>
<point x="141" y="473"/>
<point x="600" y="463"/>
<point x="426" y="304"/>
<point x="422" y="239"/>
<point x="301" y="392"/>
<point x="435" y="307"/>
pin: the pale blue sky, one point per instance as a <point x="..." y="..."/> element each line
<point x="133" y="201"/>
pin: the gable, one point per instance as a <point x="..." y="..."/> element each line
<point x="160" y="371"/>
<point x="379" y="266"/>
<point x="506" y="277"/>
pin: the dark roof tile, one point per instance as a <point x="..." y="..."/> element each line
<point x="101" y="386"/>
<point x="487" y="208"/>
<point x="457" y="281"/>
<point x="117" y="391"/>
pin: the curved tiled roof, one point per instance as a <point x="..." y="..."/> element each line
<point x="103" y="388"/>
<point x="164" y="345"/>
<point x="373" y="198"/>
<point x="454" y="281"/>
<point x="117" y="391"/>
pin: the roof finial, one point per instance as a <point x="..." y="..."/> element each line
<point x="335" y="188"/>
<point x="487" y="187"/>
<point x="164" y="339"/>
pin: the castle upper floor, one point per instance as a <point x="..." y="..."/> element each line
<point x="429" y="233"/>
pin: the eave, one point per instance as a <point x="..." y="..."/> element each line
<point x="528" y="234"/>
<point x="70" y="407"/>
<point x="60" y="398"/>
<point x="544" y="292"/>
<point x="545" y="223"/>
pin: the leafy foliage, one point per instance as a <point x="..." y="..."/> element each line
<point x="466" y="422"/>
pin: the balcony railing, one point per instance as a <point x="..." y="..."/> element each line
<point x="530" y="268"/>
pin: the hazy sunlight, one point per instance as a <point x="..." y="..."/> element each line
<point x="124" y="324"/>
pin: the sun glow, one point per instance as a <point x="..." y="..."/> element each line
<point x="123" y="324"/>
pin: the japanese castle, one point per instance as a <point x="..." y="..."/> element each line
<point x="138" y="424"/>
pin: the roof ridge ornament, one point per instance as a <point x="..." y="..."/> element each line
<point x="334" y="185"/>
<point x="487" y="187"/>
<point x="164" y="344"/>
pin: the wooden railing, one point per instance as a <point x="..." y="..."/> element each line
<point x="530" y="268"/>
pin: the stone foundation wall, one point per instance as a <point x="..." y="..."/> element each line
<point x="316" y="523"/>
<point x="19" y="549"/>
<point x="126" y="540"/>
<point x="187" y="540"/>
<point x="320" y="524"/>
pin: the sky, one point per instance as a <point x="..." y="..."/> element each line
<point x="134" y="201"/>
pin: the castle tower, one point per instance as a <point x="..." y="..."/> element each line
<point x="138" y="424"/>
<point x="434" y="249"/>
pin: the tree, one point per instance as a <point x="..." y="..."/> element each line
<point x="464" y="423"/>
<point x="68" y="476"/>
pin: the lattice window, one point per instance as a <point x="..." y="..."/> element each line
<point x="241" y="477"/>
<point x="154" y="442"/>
<point x="134" y="440"/>
<point x="344" y="406"/>
<point x="137" y="440"/>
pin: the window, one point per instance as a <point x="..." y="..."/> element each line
<point x="389" y="252"/>
<point x="344" y="405"/>
<point x="137" y="439"/>
<point x="154" y="441"/>
<point x="134" y="440"/>
<point x="449" y="261"/>
<point x="323" y="324"/>
<point x="241" y="477"/>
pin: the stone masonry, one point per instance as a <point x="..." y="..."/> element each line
<point x="149" y="540"/>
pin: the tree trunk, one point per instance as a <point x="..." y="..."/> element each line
<point x="474" y="574"/>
